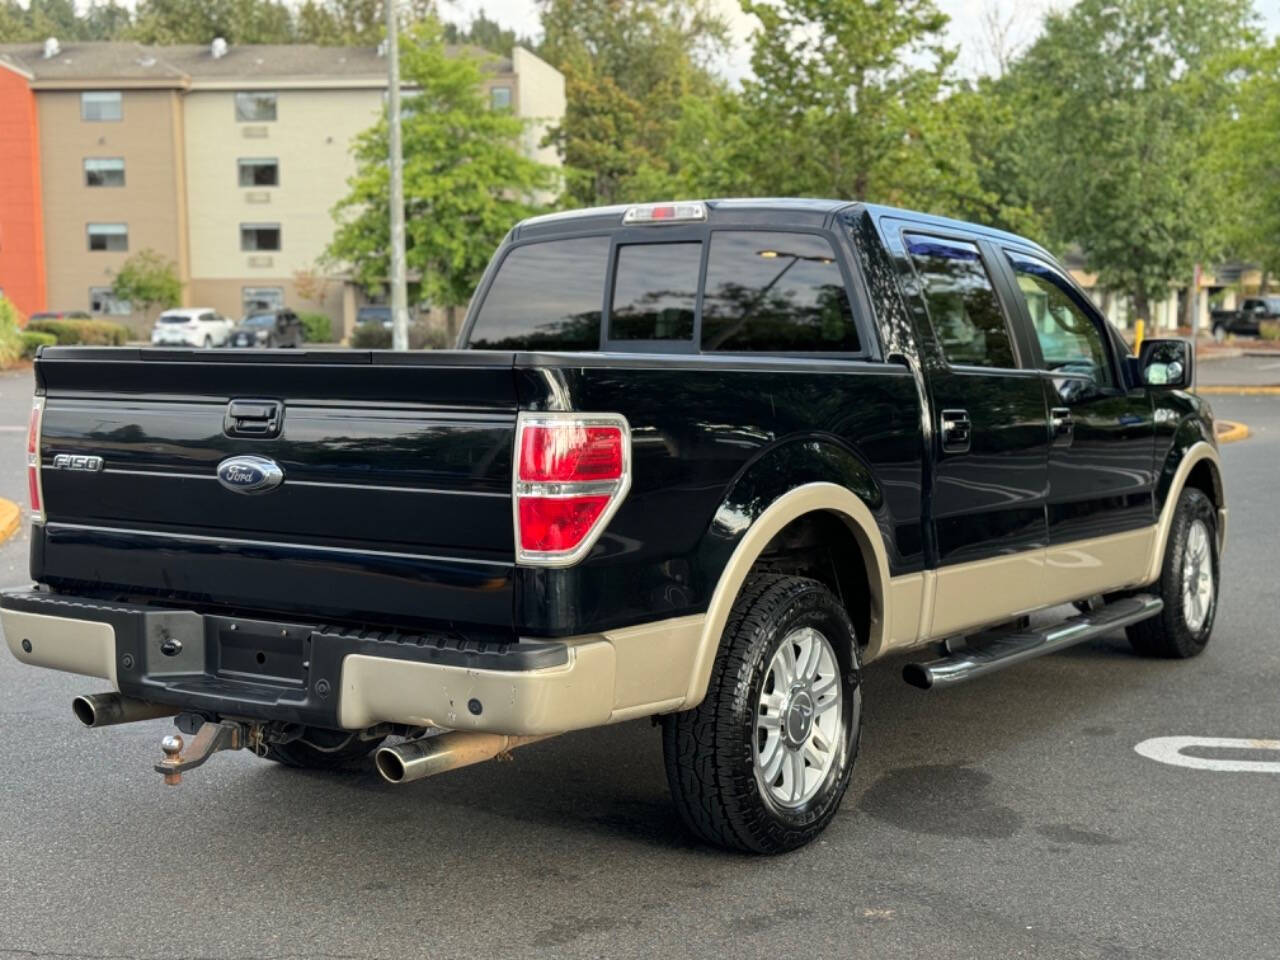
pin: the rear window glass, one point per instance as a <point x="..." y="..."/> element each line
<point x="655" y="291"/>
<point x="546" y="296"/>
<point x="777" y="292"/>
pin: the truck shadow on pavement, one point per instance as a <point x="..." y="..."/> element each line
<point x="920" y="766"/>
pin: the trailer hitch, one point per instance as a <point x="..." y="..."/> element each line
<point x="210" y="739"/>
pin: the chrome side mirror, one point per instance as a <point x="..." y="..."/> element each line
<point x="1166" y="363"/>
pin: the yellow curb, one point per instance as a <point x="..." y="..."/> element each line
<point x="1243" y="391"/>
<point x="1228" y="431"/>
<point x="10" y="519"/>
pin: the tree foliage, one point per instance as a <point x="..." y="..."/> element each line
<point x="466" y="180"/>
<point x="629" y="67"/>
<point x="1243" y="147"/>
<point x="147" y="280"/>
<point x="487" y="34"/>
<point x="1117" y="95"/>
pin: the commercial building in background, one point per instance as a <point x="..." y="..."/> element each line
<point x="226" y="160"/>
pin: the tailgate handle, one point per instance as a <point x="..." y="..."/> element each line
<point x="253" y="418"/>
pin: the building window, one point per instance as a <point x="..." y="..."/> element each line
<point x="108" y="236"/>
<point x="256" y="172"/>
<point x="104" y="171"/>
<point x="99" y="105"/>
<point x="102" y="300"/>
<point x="259" y="236"/>
<point x="500" y="98"/>
<point x="255" y="107"/>
<point x="257" y="299"/>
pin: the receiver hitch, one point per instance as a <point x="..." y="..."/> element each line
<point x="210" y="738"/>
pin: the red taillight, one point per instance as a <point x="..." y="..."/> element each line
<point x="556" y="524"/>
<point x="572" y="472"/>
<point x="33" y="460"/>
<point x="570" y="452"/>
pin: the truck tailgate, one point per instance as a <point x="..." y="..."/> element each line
<point x="396" y="494"/>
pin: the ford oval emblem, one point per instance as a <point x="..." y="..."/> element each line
<point x="250" y="474"/>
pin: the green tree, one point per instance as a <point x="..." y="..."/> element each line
<point x="465" y="179"/>
<point x="630" y="66"/>
<point x="848" y="100"/>
<point x="200" y="21"/>
<point x="487" y="34"/>
<point x="148" y="280"/>
<point x="1119" y="94"/>
<point x="353" y="22"/>
<point x="1243" y="147"/>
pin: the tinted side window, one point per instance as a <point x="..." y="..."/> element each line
<point x="1070" y="339"/>
<point x="780" y="292"/>
<point x="966" y="316"/>
<point x="655" y="291"/>
<point x="546" y="296"/>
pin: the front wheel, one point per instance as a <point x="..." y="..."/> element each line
<point x="1188" y="584"/>
<point x="762" y="763"/>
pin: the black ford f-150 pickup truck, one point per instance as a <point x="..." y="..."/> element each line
<point x="696" y="461"/>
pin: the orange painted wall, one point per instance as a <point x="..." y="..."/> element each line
<point x="22" y="270"/>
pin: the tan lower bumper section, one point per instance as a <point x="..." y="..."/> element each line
<point x="609" y="677"/>
<point x="77" y="646"/>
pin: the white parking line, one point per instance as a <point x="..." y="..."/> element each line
<point x="1169" y="750"/>
<point x="1270" y="366"/>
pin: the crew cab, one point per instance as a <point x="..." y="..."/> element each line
<point x="699" y="461"/>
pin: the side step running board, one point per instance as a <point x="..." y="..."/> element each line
<point x="988" y="652"/>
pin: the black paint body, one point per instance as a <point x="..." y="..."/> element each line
<point x="396" y="510"/>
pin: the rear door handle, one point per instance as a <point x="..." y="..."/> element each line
<point x="957" y="431"/>
<point x="1062" y="425"/>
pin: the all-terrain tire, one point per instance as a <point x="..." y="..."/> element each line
<point x="322" y="750"/>
<point x="1175" y="632"/>
<point x="710" y="751"/>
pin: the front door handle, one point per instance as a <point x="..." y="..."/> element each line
<point x="957" y="431"/>
<point x="1062" y="426"/>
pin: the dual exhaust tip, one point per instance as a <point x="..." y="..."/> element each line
<point x="108" y="709"/>
<point x="402" y="763"/>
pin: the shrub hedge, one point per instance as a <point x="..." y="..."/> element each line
<point x="100" y="333"/>
<point x="316" y="327"/>
<point x="33" y="340"/>
<point x="374" y="336"/>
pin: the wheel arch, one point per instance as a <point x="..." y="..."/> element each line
<point x="1200" y="467"/>
<point x="815" y="501"/>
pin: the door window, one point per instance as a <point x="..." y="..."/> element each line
<point x="1071" y="340"/>
<point x="775" y="292"/>
<point x="966" y="316"/>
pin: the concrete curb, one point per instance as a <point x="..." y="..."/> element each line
<point x="10" y="519"/>
<point x="1242" y="390"/>
<point x="1228" y="431"/>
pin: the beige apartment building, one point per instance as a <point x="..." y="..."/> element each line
<point x="227" y="160"/>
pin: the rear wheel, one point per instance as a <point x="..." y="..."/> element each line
<point x="1188" y="584"/>
<point x="319" y="749"/>
<point x="762" y="763"/>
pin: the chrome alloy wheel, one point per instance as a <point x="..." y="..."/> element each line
<point x="798" y="722"/>
<point x="1197" y="576"/>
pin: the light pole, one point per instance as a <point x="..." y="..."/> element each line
<point x="399" y="291"/>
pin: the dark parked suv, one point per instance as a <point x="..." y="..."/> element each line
<point x="268" y="328"/>
<point x="705" y="462"/>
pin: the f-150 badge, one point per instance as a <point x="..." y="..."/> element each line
<point x="250" y="474"/>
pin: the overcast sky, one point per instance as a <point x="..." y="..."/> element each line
<point x="966" y="23"/>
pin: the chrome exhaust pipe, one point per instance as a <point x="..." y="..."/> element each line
<point x="416" y="759"/>
<point x="108" y="709"/>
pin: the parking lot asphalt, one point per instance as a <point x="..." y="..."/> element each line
<point x="1010" y="817"/>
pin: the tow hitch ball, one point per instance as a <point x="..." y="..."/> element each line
<point x="210" y="738"/>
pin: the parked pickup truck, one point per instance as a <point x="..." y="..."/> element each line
<point x="1248" y="319"/>
<point x="703" y="462"/>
